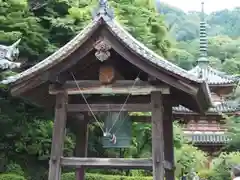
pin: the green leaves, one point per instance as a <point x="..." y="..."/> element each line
<point x="234" y="134"/>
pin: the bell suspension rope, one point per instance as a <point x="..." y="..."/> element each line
<point x="135" y="81"/>
<point x="90" y="109"/>
<point x="112" y="136"/>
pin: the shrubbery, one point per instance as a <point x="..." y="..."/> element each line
<point x="71" y="176"/>
<point x="221" y="167"/>
<point x="189" y="157"/>
<point x="11" y="177"/>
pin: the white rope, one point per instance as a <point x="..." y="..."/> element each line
<point x="90" y="109"/>
<point x="113" y="139"/>
<point x="137" y="78"/>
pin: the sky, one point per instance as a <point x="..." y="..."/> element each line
<point x="210" y="5"/>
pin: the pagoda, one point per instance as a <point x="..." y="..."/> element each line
<point x="208" y="132"/>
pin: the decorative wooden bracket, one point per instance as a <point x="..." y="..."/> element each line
<point x="102" y="46"/>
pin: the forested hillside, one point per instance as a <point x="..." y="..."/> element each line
<point x="46" y="25"/>
<point x="223" y="31"/>
<point x="185" y="26"/>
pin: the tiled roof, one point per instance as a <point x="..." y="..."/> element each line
<point x="121" y="33"/>
<point x="219" y="108"/>
<point x="213" y="76"/>
<point x="56" y="57"/>
<point x="142" y="50"/>
<point x="104" y="17"/>
<point x="208" y="138"/>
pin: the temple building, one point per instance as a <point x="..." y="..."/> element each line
<point x="208" y="132"/>
<point x="8" y="54"/>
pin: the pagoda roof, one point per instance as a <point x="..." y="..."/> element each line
<point x="220" y="108"/>
<point x="195" y="90"/>
<point x="212" y="76"/>
<point x="208" y="138"/>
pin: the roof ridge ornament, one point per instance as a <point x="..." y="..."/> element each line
<point x="8" y="54"/>
<point x="102" y="47"/>
<point x="103" y="10"/>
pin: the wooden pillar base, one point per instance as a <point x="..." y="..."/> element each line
<point x="80" y="173"/>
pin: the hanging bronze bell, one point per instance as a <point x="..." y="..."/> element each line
<point x="117" y="130"/>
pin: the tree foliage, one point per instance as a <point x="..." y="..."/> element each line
<point x="46" y="25"/>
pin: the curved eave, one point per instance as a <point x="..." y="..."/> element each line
<point x="55" y="58"/>
<point x="199" y="93"/>
<point x="219" y="110"/>
<point x="214" y="77"/>
<point x="202" y="96"/>
<point x="230" y="85"/>
<point x="208" y="113"/>
<point x="208" y="139"/>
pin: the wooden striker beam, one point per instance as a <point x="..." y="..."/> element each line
<point x="58" y="136"/>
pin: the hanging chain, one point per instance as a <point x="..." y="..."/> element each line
<point x="90" y="109"/>
<point x="135" y="81"/>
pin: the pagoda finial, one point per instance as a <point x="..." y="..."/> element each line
<point x="203" y="39"/>
<point x="202" y="12"/>
<point x="103" y="10"/>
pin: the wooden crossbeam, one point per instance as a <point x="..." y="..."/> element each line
<point x="118" y="87"/>
<point x="109" y="107"/>
<point x="111" y="163"/>
<point x="118" y="99"/>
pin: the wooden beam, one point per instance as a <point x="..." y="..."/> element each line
<point x="118" y="99"/>
<point x="140" y="119"/>
<point x="168" y="139"/>
<point x="110" y="163"/>
<point x="58" y="136"/>
<point x="157" y="136"/>
<point x="119" y="87"/>
<point x="108" y="107"/>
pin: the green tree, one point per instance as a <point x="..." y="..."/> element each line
<point x="234" y="133"/>
<point x="18" y="22"/>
